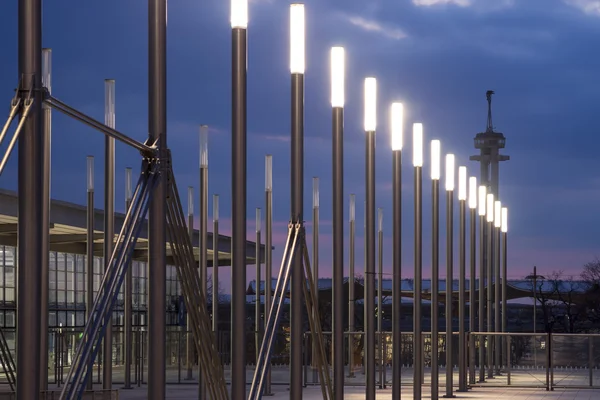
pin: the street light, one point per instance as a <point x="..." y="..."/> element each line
<point x="203" y="230"/>
<point x="462" y="200"/>
<point x="435" y="265"/>
<point x="90" y="258"/>
<point x="418" y="234"/>
<point x="337" y="103"/>
<point x="472" y="274"/>
<point x="370" y="122"/>
<point x="449" y="268"/>
<point x="490" y="276"/>
<point x="482" y="277"/>
<point x="397" y="111"/>
<point x="239" y="24"/>
<point x="351" y="280"/>
<point x="268" y="247"/>
<point x="297" y="67"/>
<point x="504" y="230"/>
<point x="497" y="225"/>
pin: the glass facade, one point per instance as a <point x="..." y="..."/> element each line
<point x="67" y="282"/>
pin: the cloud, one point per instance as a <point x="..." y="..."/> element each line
<point x="591" y="7"/>
<point x="429" y="3"/>
<point x="371" y="25"/>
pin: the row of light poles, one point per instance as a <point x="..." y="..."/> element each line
<point x="239" y="21"/>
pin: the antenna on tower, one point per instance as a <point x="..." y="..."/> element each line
<point x="490" y="126"/>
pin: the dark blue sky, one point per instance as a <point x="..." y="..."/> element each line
<point x="437" y="56"/>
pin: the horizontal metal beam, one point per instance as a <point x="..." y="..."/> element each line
<point x="72" y="238"/>
<point x="12" y="228"/>
<point x="108" y="131"/>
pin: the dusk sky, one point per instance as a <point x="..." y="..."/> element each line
<point x="438" y="57"/>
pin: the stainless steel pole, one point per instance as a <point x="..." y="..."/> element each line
<point x="297" y="193"/>
<point x="370" y="267"/>
<point x="379" y="295"/>
<point x="504" y="300"/>
<point x="215" y="268"/>
<point x="482" y="281"/>
<point x="203" y="235"/>
<point x="490" y="276"/>
<point x="90" y="257"/>
<point x="157" y="128"/>
<point x="31" y="203"/>
<point x="189" y="343"/>
<point x="417" y="342"/>
<point x="128" y="294"/>
<point x="351" y="282"/>
<point x="397" y="274"/>
<point x="338" y="250"/>
<point x="109" y="218"/>
<point x="462" y="349"/>
<point x="47" y="83"/>
<point x="238" y="214"/>
<point x="472" y="273"/>
<point x="315" y="260"/>
<point x="257" y="312"/>
<point x="418" y="272"/>
<point x="435" y="285"/>
<point x="449" y="279"/>
<point x="497" y="300"/>
<point x="268" y="246"/>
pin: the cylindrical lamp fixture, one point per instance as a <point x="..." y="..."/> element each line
<point x="337" y="76"/>
<point x="370" y="104"/>
<point x="315" y="192"/>
<point x="269" y="173"/>
<point x="203" y="146"/>
<point x="449" y="172"/>
<point x="504" y="220"/>
<point x="90" y="173"/>
<point x="472" y="192"/>
<point x="239" y="14"/>
<point x="482" y="201"/>
<point x="418" y="144"/>
<point x="190" y="201"/>
<point x="397" y="126"/>
<point x="128" y="188"/>
<point x="490" y="208"/>
<point x="462" y="183"/>
<point x="497" y="214"/>
<point x="297" y="39"/>
<point x="47" y="69"/>
<point x="436" y="170"/>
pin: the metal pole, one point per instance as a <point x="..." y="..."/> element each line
<point x="418" y="373"/>
<point x="189" y="344"/>
<point x="157" y="121"/>
<point x="379" y="294"/>
<point x="257" y="319"/>
<point x="203" y="258"/>
<point x="417" y="342"/>
<point x="472" y="282"/>
<point x="315" y="260"/>
<point x="370" y="121"/>
<point x="351" y="282"/>
<point x="497" y="323"/>
<point x="449" y="285"/>
<point x="370" y="267"/>
<point x="46" y="82"/>
<point x="435" y="265"/>
<point x="128" y="294"/>
<point x="534" y="316"/>
<point x="482" y="279"/>
<point x="504" y="302"/>
<point x="31" y="203"/>
<point x="90" y="257"/>
<point x="109" y="217"/>
<point x="490" y="276"/>
<point x="215" y="267"/>
<point x="462" y="350"/>
<point x="397" y="274"/>
<point x="268" y="245"/>
<point x="297" y="192"/>
<point x="238" y="213"/>
<point x="338" y="251"/>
